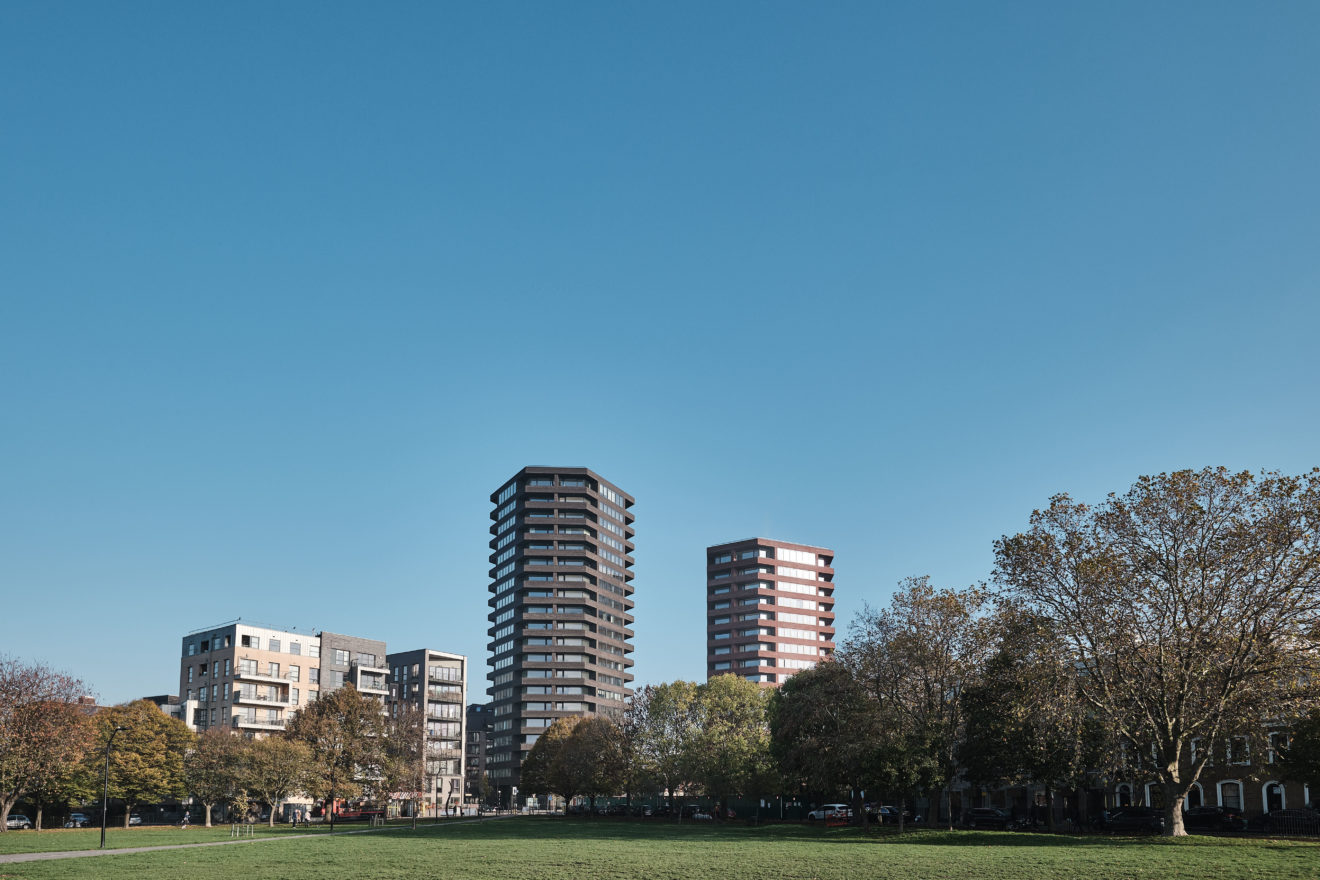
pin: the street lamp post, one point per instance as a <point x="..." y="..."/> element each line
<point x="105" y="791"/>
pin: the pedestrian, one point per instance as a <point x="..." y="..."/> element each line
<point x="185" y="819"/>
<point x="295" y="818"/>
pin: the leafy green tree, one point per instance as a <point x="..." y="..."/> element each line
<point x="593" y="758"/>
<point x="544" y="771"/>
<point x="914" y="658"/>
<point x="824" y="730"/>
<point x="215" y="768"/>
<point x="345" y="733"/>
<point x="1025" y="720"/>
<point x="1300" y="759"/>
<point x="730" y="753"/>
<point x="147" y="761"/>
<point x="43" y="730"/>
<point x="277" y="767"/>
<point x="1190" y="604"/>
<point x="666" y="724"/>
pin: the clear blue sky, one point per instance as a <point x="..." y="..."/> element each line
<point x="286" y="290"/>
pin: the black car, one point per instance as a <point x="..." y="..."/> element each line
<point x="1287" y="822"/>
<point x="1134" y="820"/>
<point x="991" y="817"/>
<point x="617" y="810"/>
<point x="1214" y="819"/>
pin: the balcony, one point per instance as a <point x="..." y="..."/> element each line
<point x="260" y="699"/>
<point x="242" y="721"/>
<point x="259" y="676"/>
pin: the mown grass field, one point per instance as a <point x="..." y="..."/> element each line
<point x="556" y="849"/>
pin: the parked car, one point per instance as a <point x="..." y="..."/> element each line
<point x="829" y="811"/>
<point x="1214" y="819"/>
<point x="887" y="815"/>
<point x="1287" y="822"/>
<point x="617" y="810"/>
<point x="134" y="819"/>
<point x="78" y="820"/>
<point x="1134" y="820"/>
<point x="991" y="817"/>
<point x="17" y="820"/>
<point x="642" y="810"/>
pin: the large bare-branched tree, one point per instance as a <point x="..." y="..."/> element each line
<point x="43" y="728"/>
<point x="1190" y="604"/>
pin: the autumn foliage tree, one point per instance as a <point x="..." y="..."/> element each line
<point x="43" y="729"/>
<point x="914" y="658"/>
<point x="215" y="768"/>
<point x="345" y="733"/>
<point x="1190" y="604"/>
<point x="147" y="761"/>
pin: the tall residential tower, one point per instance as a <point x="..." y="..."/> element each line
<point x="561" y="587"/>
<point x="769" y="609"/>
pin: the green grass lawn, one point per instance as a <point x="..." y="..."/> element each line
<point x="601" y="849"/>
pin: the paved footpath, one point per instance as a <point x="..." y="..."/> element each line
<point x="89" y="853"/>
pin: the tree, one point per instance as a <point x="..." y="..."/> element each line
<point x="666" y="721"/>
<point x="593" y="758"/>
<point x="1300" y="759"/>
<point x="543" y="771"/>
<point x="1025" y="721"/>
<point x="1190" y="605"/>
<point x="276" y="767"/>
<point x="915" y="658"/>
<point x="824" y="730"/>
<point x="42" y="728"/>
<point x="405" y="756"/>
<point x="345" y="733"/>
<point x="146" y="763"/>
<point x="730" y="753"/>
<point x="215" y="768"/>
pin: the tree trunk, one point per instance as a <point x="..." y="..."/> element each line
<point x="902" y="805"/>
<point x="38" y="819"/>
<point x="208" y="814"/>
<point x="1174" y="792"/>
<point x="946" y="804"/>
<point x="1049" y="809"/>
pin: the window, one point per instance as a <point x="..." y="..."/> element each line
<point x="226" y="690"/>
<point x="274" y="646"/>
<point x="1239" y="751"/>
<point x="1278" y="742"/>
<point x="295" y="647"/>
<point x="1230" y="794"/>
<point x="295" y="673"/>
<point x="341" y="657"/>
<point x="226" y="667"/>
<point x="313" y="675"/>
<point x="215" y="668"/>
<point x="273" y="670"/>
<point x="247" y="667"/>
<point x="190" y="673"/>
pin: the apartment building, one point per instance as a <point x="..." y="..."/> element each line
<point x="476" y="736"/>
<point x="435" y="684"/>
<point x="354" y="660"/>
<point x="560" y="607"/>
<point x="769" y="609"/>
<point x="247" y="677"/>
